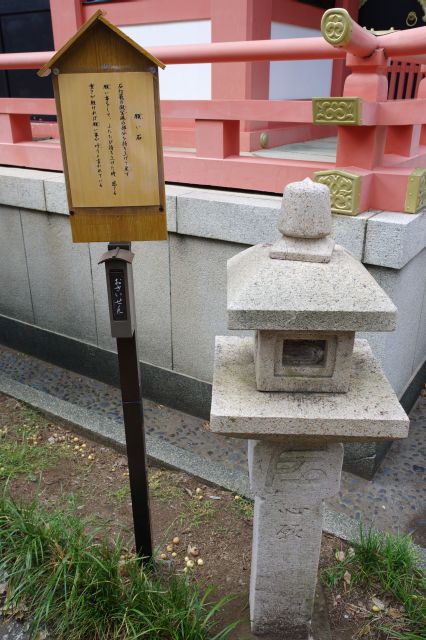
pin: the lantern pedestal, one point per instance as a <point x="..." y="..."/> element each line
<point x="295" y="463"/>
<point x="289" y="487"/>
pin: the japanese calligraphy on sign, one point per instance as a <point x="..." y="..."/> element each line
<point x="109" y="129"/>
<point x="118" y="294"/>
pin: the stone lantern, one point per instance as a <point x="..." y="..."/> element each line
<point x="296" y="391"/>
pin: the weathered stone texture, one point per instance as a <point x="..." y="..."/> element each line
<point x="283" y="294"/>
<point x="368" y="411"/>
<point x="289" y="488"/>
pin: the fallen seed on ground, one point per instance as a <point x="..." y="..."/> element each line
<point x="200" y="562"/>
<point x="176" y="540"/>
<point x="169" y="548"/>
<point x="174" y="554"/>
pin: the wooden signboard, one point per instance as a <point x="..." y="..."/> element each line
<point x="106" y="91"/>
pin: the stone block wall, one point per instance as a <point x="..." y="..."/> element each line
<point x="56" y="286"/>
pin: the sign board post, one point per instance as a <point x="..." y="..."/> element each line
<point x="107" y="99"/>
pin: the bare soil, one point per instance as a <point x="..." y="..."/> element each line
<point x="95" y="479"/>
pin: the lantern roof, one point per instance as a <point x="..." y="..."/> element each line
<point x="340" y="295"/>
<point x="304" y="281"/>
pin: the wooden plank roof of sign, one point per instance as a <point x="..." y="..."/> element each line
<point x="97" y="17"/>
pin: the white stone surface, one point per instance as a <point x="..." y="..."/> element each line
<point x="22" y="188"/>
<point x="56" y="194"/>
<point x="198" y="296"/>
<point x="151" y="276"/>
<point x="368" y="411"/>
<point x="285" y="556"/>
<point x="234" y="217"/>
<point x="393" y="239"/>
<point x="349" y="231"/>
<point x="298" y="477"/>
<point x="173" y="193"/>
<point x="282" y="294"/>
<point x="420" y="348"/>
<point x="401" y="352"/>
<point x="331" y="376"/>
<point x="289" y="488"/>
<point x="303" y="249"/>
<point x="60" y="277"/>
<point x="250" y="218"/>
<point x="305" y="210"/>
<point x="15" y="295"/>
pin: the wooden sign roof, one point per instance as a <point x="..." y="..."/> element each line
<point x="108" y="106"/>
<point x="72" y="42"/>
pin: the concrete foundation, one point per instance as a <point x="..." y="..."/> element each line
<point x="180" y="284"/>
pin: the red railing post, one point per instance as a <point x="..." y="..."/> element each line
<point x="15" y="127"/>
<point x="242" y="20"/>
<point x="421" y="93"/>
<point x="364" y="146"/>
<point x="217" y="138"/>
<point x="67" y="18"/>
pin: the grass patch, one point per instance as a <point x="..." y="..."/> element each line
<point x="244" y="507"/>
<point x="81" y="588"/>
<point x="22" y="449"/>
<point x="387" y="567"/>
<point x="161" y="486"/>
<point x="122" y="494"/>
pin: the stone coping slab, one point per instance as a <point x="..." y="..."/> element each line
<point x="340" y="295"/>
<point x="369" y="411"/>
<point x="247" y="218"/>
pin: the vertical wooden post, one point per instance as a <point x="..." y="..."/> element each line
<point x="67" y="18"/>
<point x="119" y="273"/>
<point x="242" y="20"/>
<point x="364" y="146"/>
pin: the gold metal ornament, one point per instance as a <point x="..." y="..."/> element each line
<point x="423" y="6"/>
<point x="411" y="19"/>
<point x="345" y="190"/>
<point x="336" y="27"/>
<point x="342" y="111"/>
<point x="416" y="191"/>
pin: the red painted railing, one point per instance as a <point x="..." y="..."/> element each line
<point x="383" y="149"/>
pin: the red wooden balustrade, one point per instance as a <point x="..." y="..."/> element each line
<point x="384" y="149"/>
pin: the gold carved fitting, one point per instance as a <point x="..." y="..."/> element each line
<point x="345" y="190"/>
<point x="416" y="191"/>
<point x="346" y="111"/>
<point x="336" y="27"/>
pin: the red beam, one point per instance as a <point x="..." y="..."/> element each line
<point x="37" y="155"/>
<point x="288" y="49"/>
<point x="239" y="172"/>
<point x="151" y="11"/>
<point x="43" y="106"/>
<point x="273" y="111"/>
